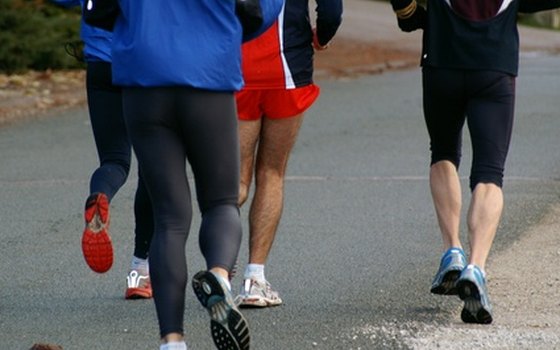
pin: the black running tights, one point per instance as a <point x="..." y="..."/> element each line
<point x="167" y="127"/>
<point x="485" y="99"/>
<point x="114" y="150"/>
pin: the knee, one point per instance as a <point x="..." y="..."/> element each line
<point x="488" y="179"/>
<point x="486" y="175"/>
<point x="266" y="175"/>
<point x="454" y="158"/>
<point x="120" y="165"/>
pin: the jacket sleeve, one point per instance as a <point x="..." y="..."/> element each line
<point x="410" y="15"/>
<point x="530" y="6"/>
<point x="400" y="4"/>
<point x="329" y="18"/>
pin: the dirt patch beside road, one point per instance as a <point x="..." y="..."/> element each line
<point x="37" y="93"/>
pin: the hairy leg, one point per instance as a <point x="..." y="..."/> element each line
<point x="249" y="132"/>
<point x="483" y="219"/>
<point x="446" y="194"/>
<point x="276" y="142"/>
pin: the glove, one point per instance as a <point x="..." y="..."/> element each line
<point x="416" y="21"/>
<point x="250" y="15"/>
<point x="410" y="16"/>
<point x="316" y="45"/>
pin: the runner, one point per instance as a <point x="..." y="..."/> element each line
<point x="179" y="74"/>
<point x="279" y="88"/>
<point x="114" y="151"/>
<point x="470" y="60"/>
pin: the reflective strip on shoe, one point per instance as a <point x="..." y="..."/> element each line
<point x="138" y="285"/>
<point x="96" y="242"/>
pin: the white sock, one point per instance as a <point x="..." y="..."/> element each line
<point x="255" y="271"/>
<point x="140" y="264"/>
<point x="174" y="345"/>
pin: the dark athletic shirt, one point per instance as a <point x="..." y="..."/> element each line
<point x="472" y="34"/>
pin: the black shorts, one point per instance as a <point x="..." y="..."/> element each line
<point x="485" y="99"/>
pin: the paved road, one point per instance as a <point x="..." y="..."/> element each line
<point x="356" y="249"/>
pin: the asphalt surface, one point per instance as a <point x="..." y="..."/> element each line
<point x="356" y="249"/>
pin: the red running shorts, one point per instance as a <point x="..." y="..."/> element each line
<point x="275" y="103"/>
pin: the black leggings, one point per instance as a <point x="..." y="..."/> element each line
<point x="167" y="127"/>
<point x="114" y="149"/>
<point x="109" y="130"/>
<point x="486" y="100"/>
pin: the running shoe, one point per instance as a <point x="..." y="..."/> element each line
<point x="138" y="285"/>
<point x="452" y="263"/>
<point x="229" y="328"/>
<point x="96" y="243"/>
<point x="257" y="294"/>
<point x="471" y="286"/>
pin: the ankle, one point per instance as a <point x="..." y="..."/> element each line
<point x="174" y="345"/>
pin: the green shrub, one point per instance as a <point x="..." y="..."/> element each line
<point x="33" y="34"/>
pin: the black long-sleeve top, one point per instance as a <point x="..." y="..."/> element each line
<point x="474" y="34"/>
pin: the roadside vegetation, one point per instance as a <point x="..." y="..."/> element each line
<point x="33" y="35"/>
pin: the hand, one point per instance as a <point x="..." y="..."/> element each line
<point x="418" y="20"/>
<point x="316" y="45"/>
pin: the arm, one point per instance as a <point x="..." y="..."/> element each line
<point x="250" y="15"/>
<point x="529" y="6"/>
<point x="329" y="18"/>
<point x="410" y="16"/>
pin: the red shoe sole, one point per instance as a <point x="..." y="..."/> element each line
<point x="96" y="242"/>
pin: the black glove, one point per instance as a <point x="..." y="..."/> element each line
<point x="416" y="21"/>
<point x="250" y="15"/>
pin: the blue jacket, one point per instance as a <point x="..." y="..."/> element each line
<point x="97" y="42"/>
<point x="194" y="43"/>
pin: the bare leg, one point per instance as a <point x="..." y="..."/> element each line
<point x="446" y="194"/>
<point x="275" y="144"/>
<point x="172" y="337"/>
<point x="483" y="219"/>
<point x="249" y="132"/>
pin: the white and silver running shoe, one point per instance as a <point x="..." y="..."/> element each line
<point x="257" y="294"/>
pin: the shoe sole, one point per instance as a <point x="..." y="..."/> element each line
<point x="473" y="311"/>
<point x="96" y="242"/>
<point x="447" y="285"/>
<point x="138" y="293"/>
<point x="228" y="327"/>
<point x="257" y="302"/>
